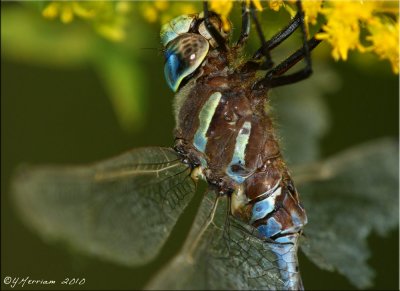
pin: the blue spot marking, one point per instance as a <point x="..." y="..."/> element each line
<point x="296" y="219"/>
<point x="236" y="177"/>
<point x="261" y="209"/>
<point x="203" y="162"/>
<point x="264" y="207"/>
<point x="284" y="239"/>
<point x="271" y="228"/>
<point x="200" y="142"/>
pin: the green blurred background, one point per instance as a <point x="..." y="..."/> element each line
<point x="70" y="96"/>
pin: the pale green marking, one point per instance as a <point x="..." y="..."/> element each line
<point x="241" y="142"/>
<point x="205" y="116"/>
<point x="238" y="157"/>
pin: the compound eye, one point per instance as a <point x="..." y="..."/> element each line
<point x="176" y="27"/>
<point x="183" y="56"/>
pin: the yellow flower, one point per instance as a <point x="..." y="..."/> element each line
<point x="275" y="4"/>
<point x="385" y="40"/>
<point x="311" y="10"/>
<point x="151" y="10"/>
<point x="223" y="8"/>
<point x="163" y="11"/>
<point x="150" y="13"/>
<point x="51" y="10"/>
<point x="64" y="10"/>
<point x="161" y="5"/>
<point x="342" y="29"/>
<point x="107" y="18"/>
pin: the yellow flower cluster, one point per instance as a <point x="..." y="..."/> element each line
<point x="163" y="11"/>
<point x="363" y="25"/>
<point x="342" y="29"/>
<point x="107" y="18"/>
<point x="222" y="7"/>
<point x="385" y="40"/>
<point x="348" y="21"/>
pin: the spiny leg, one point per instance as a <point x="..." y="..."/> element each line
<point x="264" y="50"/>
<point x="274" y="77"/>
<point x="276" y="40"/>
<point x="271" y="81"/>
<point x="282" y="35"/>
<point x="211" y="28"/>
<point x="245" y="31"/>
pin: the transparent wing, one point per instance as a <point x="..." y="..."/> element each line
<point x="222" y="253"/>
<point x="346" y="197"/>
<point x="121" y="209"/>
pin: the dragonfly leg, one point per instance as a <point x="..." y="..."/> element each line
<point x="264" y="50"/>
<point x="245" y="31"/>
<point x="274" y="77"/>
<point x="211" y="28"/>
<point x="279" y="37"/>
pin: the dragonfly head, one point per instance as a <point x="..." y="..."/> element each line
<point x="187" y="43"/>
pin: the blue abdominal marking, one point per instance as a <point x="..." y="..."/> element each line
<point x="264" y="207"/>
<point x="286" y="252"/>
<point x="205" y="117"/>
<point x="238" y="158"/>
<point x="271" y="228"/>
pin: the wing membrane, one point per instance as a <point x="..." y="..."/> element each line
<point x="346" y="197"/>
<point x="121" y="209"/>
<point x="223" y="253"/>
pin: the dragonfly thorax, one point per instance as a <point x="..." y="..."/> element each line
<point x="223" y="129"/>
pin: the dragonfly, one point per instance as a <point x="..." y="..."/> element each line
<point x="250" y="223"/>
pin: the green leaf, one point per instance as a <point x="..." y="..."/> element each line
<point x="347" y="197"/>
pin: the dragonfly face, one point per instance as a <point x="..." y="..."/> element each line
<point x="187" y="43"/>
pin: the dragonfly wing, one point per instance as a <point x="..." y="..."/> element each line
<point x="223" y="253"/>
<point x="347" y="197"/>
<point x="121" y="209"/>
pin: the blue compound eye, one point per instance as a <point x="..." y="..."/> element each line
<point x="183" y="56"/>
